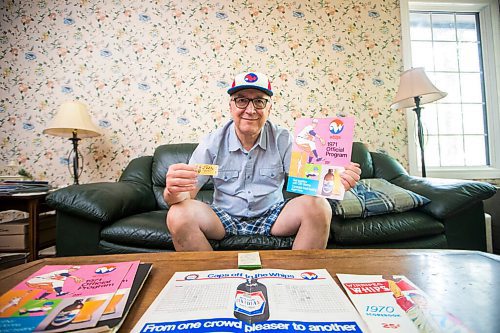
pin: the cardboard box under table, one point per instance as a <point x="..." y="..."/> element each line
<point x="14" y="234"/>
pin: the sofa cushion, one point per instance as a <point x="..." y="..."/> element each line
<point x="376" y="196"/>
<point x="427" y="242"/>
<point x="149" y="232"/>
<point x="146" y="230"/>
<point x="106" y="247"/>
<point x="255" y="242"/>
<point x="385" y="228"/>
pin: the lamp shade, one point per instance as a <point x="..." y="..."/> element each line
<point x="72" y="116"/>
<point x="415" y="83"/>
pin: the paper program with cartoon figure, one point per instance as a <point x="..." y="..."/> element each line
<point x="63" y="298"/>
<point x="321" y="149"/>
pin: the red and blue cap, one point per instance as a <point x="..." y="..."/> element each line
<point x="251" y="80"/>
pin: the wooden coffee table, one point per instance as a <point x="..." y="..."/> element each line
<point x="465" y="282"/>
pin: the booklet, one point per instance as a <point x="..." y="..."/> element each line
<point x="394" y="304"/>
<point x="60" y="298"/>
<point x="116" y="306"/>
<point x="322" y="148"/>
<point x="112" y="325"/>
<point x="264" y="300"/>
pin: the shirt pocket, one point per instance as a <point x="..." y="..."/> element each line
<point x="269" y="180"/>
<point x="227" y="181"/>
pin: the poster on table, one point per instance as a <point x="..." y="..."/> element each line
<point x="265" y="300"/>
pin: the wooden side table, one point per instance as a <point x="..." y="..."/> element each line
<point x="34" y="204"/>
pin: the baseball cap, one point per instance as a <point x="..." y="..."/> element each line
<point x="251" y="80"/>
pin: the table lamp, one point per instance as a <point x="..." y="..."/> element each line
<point x="416" y="89"/>
<point x="73" y="122"/>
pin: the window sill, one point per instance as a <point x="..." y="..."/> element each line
<point x="464" y="173"/>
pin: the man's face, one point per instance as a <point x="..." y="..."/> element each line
<point x="249" y="120"/>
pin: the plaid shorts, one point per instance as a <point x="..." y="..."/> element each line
<point x="259" y="225"/>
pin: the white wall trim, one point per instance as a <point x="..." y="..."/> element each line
<point x="410" y="115"/>
<point x="491" y="62"/>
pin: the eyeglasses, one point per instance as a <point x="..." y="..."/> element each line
<point x="242" y="102"/>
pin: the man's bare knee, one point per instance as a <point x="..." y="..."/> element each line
<point x="177" y="217"/>
<point x="191" y="216"/>
<point x="323" y="207"/>
<point x="315" y="217"/>
<point x="316" y="207"/>
<point x="186" y="227"/>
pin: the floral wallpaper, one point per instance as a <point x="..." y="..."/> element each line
<point x="156" y="72"/>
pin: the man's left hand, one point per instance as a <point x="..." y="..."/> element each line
<point x="351" y="175"/>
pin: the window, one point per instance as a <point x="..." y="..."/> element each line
<point x="454" y="43"/>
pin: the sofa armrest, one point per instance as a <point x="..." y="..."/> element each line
<point x="103" y="202"/>
<point x="448" y="196"/>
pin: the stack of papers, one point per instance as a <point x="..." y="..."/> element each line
<point x="10" y="187"/>
<point x="64" y="298"/>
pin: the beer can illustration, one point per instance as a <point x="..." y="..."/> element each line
<point x="328" y="183"/>
<point x="66" y="315"/>
<point x="251" y="304"/>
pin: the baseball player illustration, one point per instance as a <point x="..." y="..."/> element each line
<point x="53" y="282"/>
<point x="14" y="301"/>
<point x="306" y="140"/>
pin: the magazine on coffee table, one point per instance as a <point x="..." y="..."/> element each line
<point x="321" y="149"/>
<point x="63" y="298"/>
<point x="394" y="304"/>
<point x="113" y="324"/>
<point x="264" y="300"/>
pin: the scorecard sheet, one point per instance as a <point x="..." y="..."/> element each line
<point x="265" y="300"/>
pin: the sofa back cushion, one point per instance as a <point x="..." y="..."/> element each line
<point x="163" y="157"/>
<point x="166" y="155"/>
<point x="138" y="170"/>
<point x="361" y="155"/>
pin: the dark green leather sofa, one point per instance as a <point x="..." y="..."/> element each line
<point x="129" y="215"/>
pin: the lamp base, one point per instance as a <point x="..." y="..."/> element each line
<point x="420" y="132"/>
<point x="75" y="160"/>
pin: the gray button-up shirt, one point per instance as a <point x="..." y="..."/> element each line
<point x="248" y="182"/>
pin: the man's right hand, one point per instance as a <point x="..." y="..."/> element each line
<point x="180" y="181"/>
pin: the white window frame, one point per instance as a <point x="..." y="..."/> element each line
<point x="490" y="43"/>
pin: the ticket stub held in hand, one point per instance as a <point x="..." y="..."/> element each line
<point x="207" y="169"/>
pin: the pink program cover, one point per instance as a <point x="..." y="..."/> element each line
<point x="331" y="138"/>
<point x="56" y="281"/>
<point x="321" y="149"/>
<point x="116" y="306"/>
<point x="61" y="297"/>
